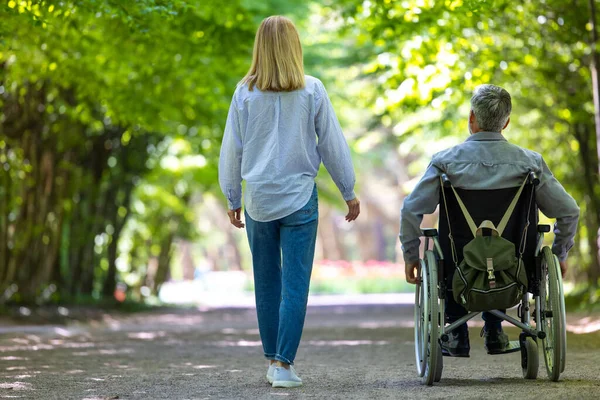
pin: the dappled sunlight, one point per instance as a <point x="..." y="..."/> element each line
<point x="117" y="364"/>
<point x="187" y="319"/>
<point x="108" y="352"/>
<point x="20" y="340"/>
<point x="204" y="366"/>
<point x="232" y="331"/>
<point x="63" y="332"/>
<point x="386" y="324"/>
<point x="74" y="372"/>
<point x="147" y="335"/>
<point x="25" y="344"/>
<point x="191" y="365"/>
<point x="78" y="345"/>
<point x="584" y="325"/>
<point x="336" y="343"/>
<point x="34" y="338"/>
<point x="239" y="343"/>
<point x="17" y="386"/>
<point x="114" y="351"/>
<point x="111" y="322"/>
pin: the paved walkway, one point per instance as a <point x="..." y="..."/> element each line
<point x="356" y="351"/>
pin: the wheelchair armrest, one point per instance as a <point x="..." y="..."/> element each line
<point x="544" y="228"/>
<point x="430" y="232"/>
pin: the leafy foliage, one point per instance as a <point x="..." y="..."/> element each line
<point x="106" y="105"/>
<point x="427" y="56"/>
<point x="112" y="114"/>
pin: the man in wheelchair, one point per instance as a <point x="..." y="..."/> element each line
<point x="485" y="170"/>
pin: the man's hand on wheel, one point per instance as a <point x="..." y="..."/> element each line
<point x="235" y="217"/>
<point x="411" y="276"/>
<point x="353" y="209"/>
<point x="563" y="268"/>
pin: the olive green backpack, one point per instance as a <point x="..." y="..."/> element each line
<point x="490" y="275"/>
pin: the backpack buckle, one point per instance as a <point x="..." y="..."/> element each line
<point x="490" y="270"/>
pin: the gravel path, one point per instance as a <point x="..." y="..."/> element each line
<point x="347" y="352"/>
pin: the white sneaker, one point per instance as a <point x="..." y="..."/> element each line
<point x="286" y="378"/>
<point x="270" y="372"/>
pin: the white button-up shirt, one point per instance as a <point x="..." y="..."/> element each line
<point x="275" y="141"/>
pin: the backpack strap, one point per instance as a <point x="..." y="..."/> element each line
<point x="465" y="212"/>
<point x="450" y="237"/>
<point x="503" y="222"/>
<point x="489" y="225"/>
<point x="511" y="208"/>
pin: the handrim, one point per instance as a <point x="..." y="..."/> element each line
<point x="550" y="293"/>
<point x="421" y="309"/>
<point x="431" y="335"/>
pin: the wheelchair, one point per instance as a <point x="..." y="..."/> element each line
<point x="546" y="323"/>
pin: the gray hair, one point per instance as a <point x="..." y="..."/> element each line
<point x="491" y="106"/>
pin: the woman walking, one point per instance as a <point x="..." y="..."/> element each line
<point x="280" y="126"/>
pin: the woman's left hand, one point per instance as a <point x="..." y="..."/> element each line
<point x="235" y="217"/>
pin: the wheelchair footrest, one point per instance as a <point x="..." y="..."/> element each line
<point x="513" y="347"/>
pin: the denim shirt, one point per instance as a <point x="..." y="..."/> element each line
<point x="486" y="160"/>
<point x="275" y="141"/>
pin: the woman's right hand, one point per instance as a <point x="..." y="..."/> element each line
<point x="353" y="209"/>
<point x="235" y="217"/>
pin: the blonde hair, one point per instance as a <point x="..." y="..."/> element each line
<point x="277" y="57"/>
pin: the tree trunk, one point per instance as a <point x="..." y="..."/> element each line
<point x="110" y="282"/>
<point x="187" y="260"/>
<point x="595" y="81"/>
<point x="4" y="224"/>
<point x="595" y="64"/>
<point x="164" y="261"/>
<point x="583" y="135"/>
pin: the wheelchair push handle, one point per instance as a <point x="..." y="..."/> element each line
<point x="446" y="181"/>
<point x="533" y="179"/>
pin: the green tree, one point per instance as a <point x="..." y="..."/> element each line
<point x="93" y="94"/>
<point x="427" y="56"/>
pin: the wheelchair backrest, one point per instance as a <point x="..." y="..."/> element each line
<point x="489" y="205"/>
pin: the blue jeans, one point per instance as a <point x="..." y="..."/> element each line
<point x="282" y="257"/>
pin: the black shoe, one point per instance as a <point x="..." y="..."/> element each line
<point x="495" y="340"/>
<point x="458" y="344"/>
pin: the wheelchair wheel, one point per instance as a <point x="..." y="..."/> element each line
<point x="440" y="364"/>
<point x="421" y="311"/>
<point x="427" y="321"/>
<point x="563" y="315"/>
<point x="553" y="318"/>
<point x="530" y="361"/>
